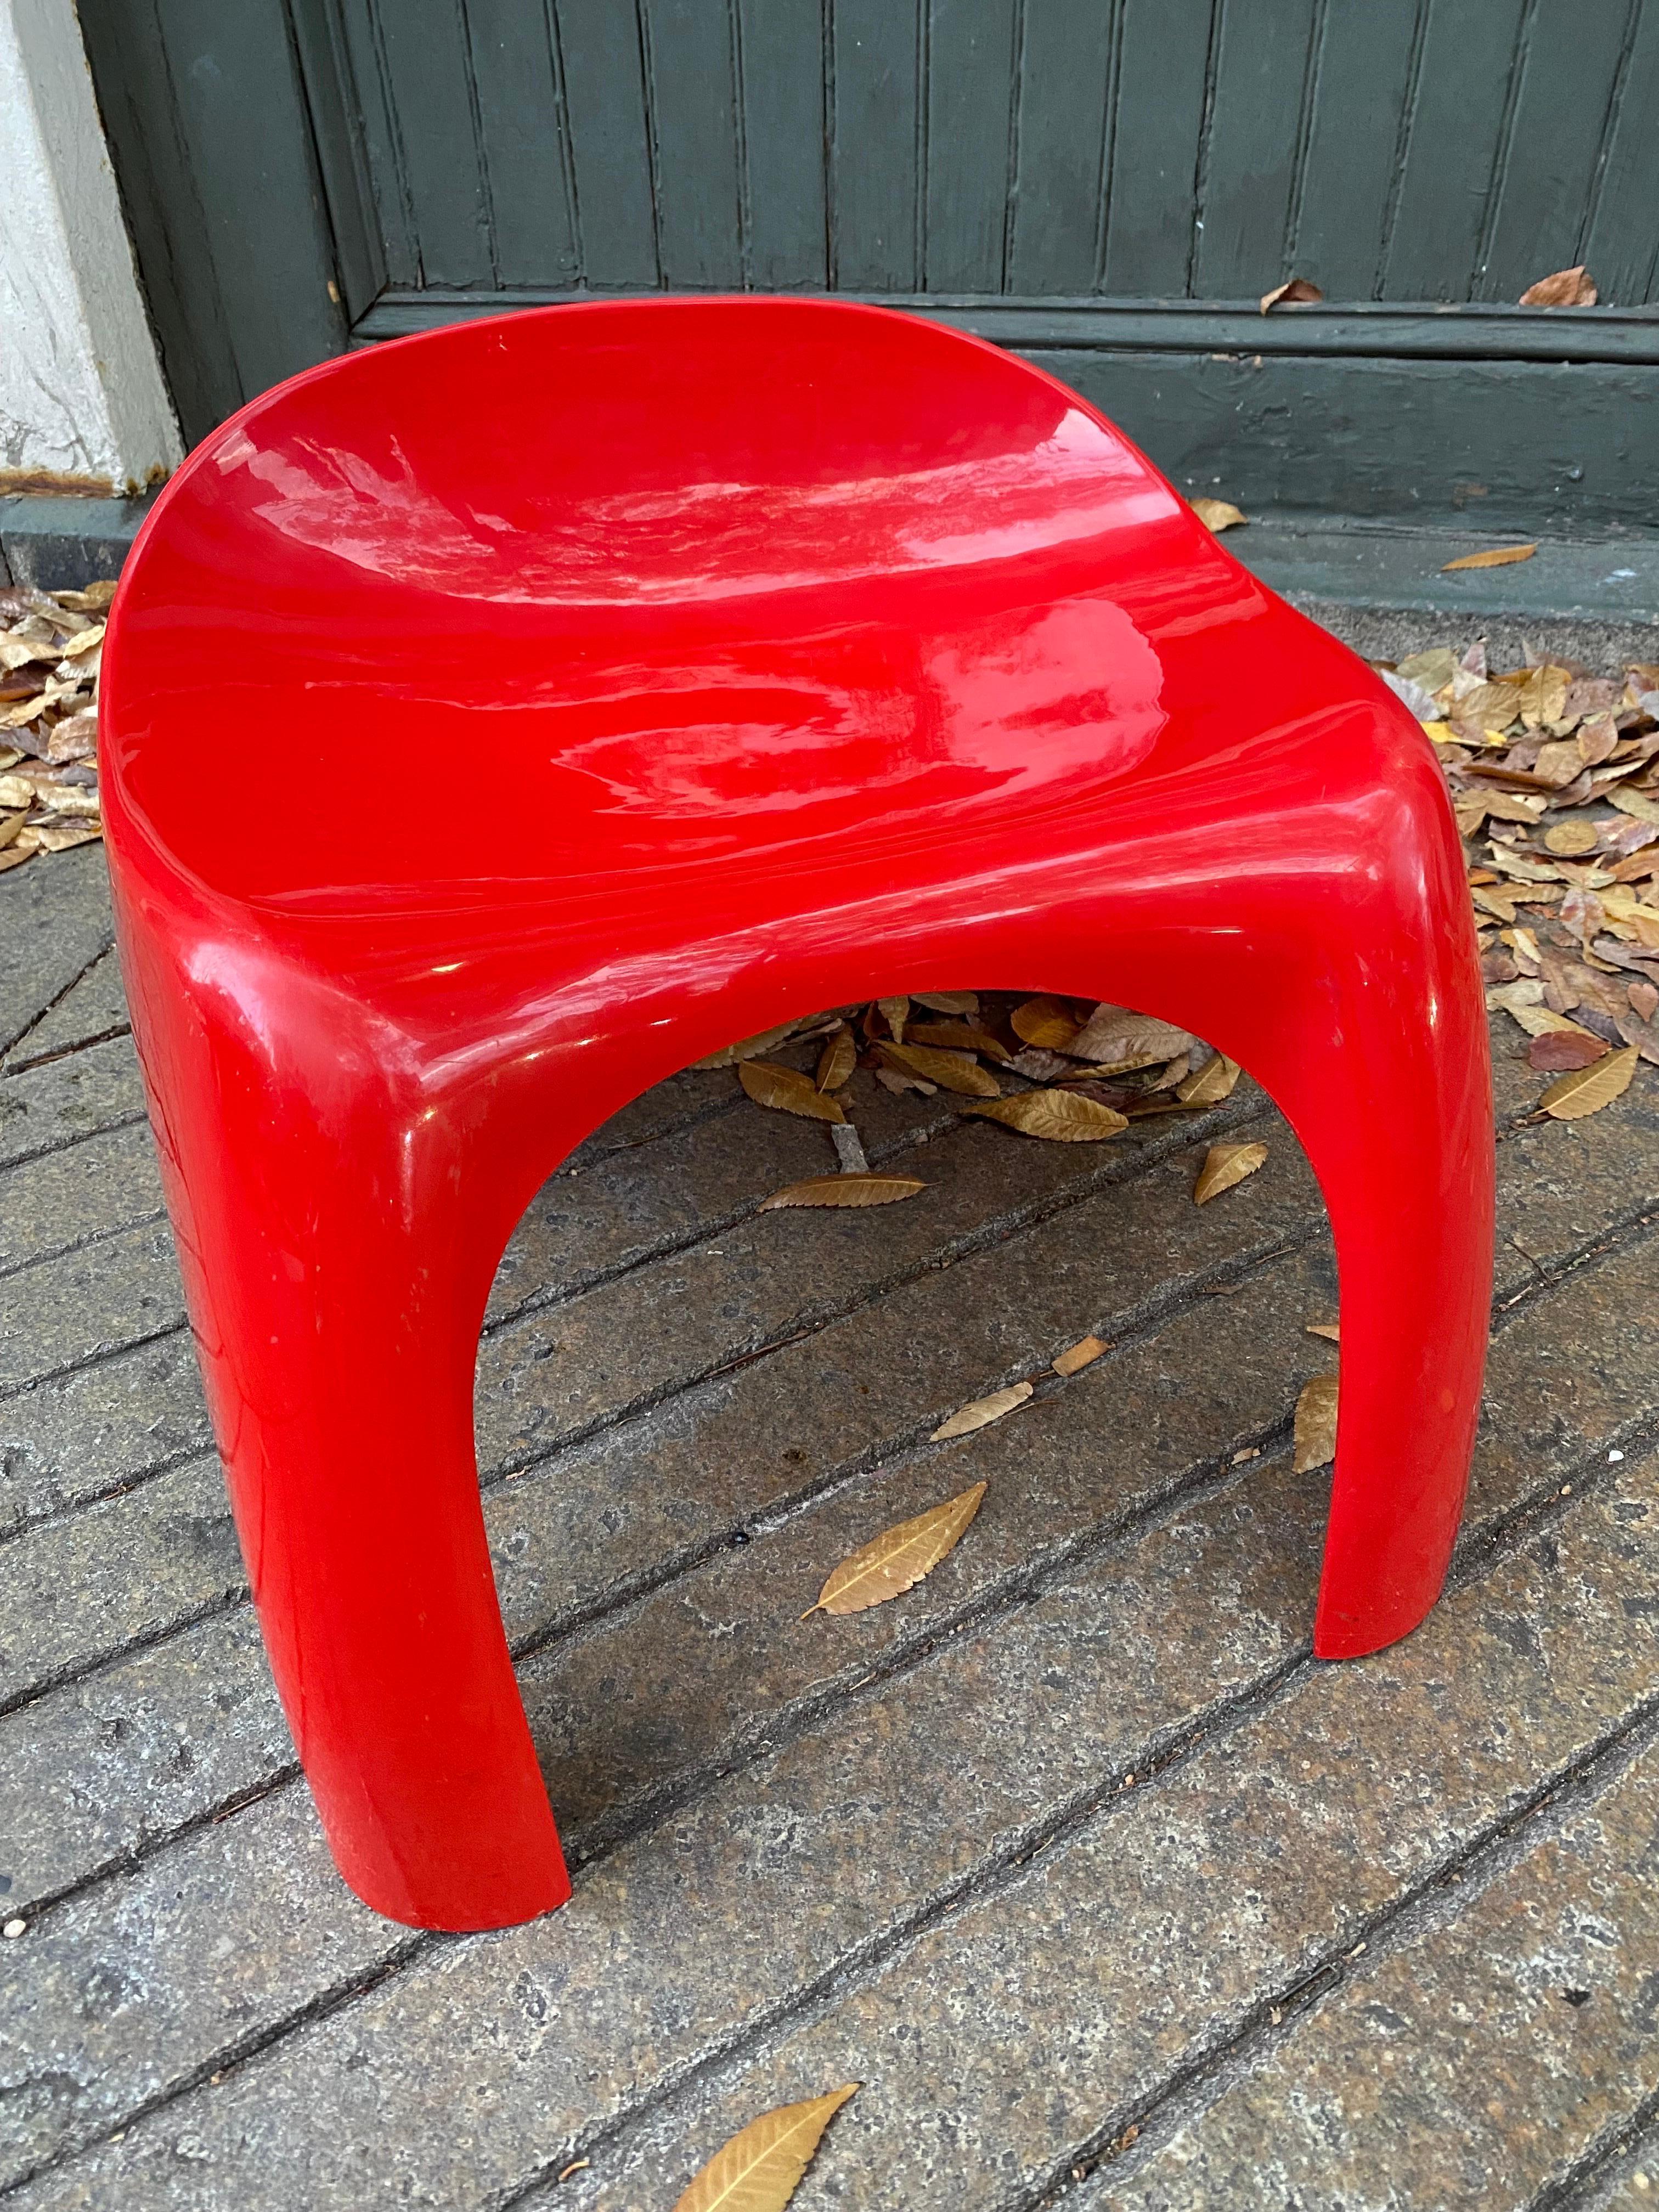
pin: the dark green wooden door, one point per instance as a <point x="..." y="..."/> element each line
<point x="1106" y="187"/>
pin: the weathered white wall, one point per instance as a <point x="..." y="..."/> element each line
<point x="81" y="395"/>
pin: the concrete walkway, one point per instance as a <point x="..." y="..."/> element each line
<point x="1107" y="1893"/>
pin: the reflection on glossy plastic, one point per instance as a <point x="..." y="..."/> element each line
<point x="499" y="720"/>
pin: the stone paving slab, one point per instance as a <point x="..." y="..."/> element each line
<point x="1074" y="1839"/>
<point x="94" y="1007"/>
<point x="99" y="1296"/>
<point x="56" y="923"/>
<point x="190" y="2015"/>
<point x="54" y="1103"/>
<point x="1489" y="2054"/>
<point x="1042" y="2019"/>
<point x="69" y="1197"/>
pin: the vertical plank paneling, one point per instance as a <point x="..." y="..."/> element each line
<point x="168" y="223"/>
<point x="1621" y="236"/>
<point x="780" y="47"/>
<point x="1452" y="145"/>
<point x="1572" y="61"/>
<point x="335" y="104"/>
<point x="1260" y="72"/>
<point x="695" y="109"/>
<point x="1065" y="114"/>
<point x="605" y="91"/>
<point x="876" y="149"/>
<point x="971" y="69"/>
<point x="242" y="114"/>
<point x="525" y="154"/>
<point x="429" y="76"/>
<point x="1162" y="71"/>
<point x="378" y="123"/>
<point x="1367" y="65"/>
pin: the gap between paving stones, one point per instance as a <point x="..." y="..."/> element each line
<point x="1022" y="1848"/>
<point x="1516" y="1119"/>
<point x="1015" y="1223"/>
<point x="1199" y="1129"/>
<point x="1471" y="1997"/>
<point x="891" y="1453"/>
<point x="1274" y="2022"/>
<point x="61" y="1144"/>
<point x="1599" y="2176"/>
<point x="1274" y="2017"/>
<point x="105" y="951"/>
<point x="65" y="1051"/>
<point x="93" y="1011"/>
<point x="1013" y="1587"/>
<point x="892" y="1449"/>
<point x="94" y="1091"/>
<point x="80" y="1244"/>
<point x="1111" y="1172"/>
<point x="404" y="1949"/>
<point x="1488" y="1846"/>
<point x="966" y="1891"/>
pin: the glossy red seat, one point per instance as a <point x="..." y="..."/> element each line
<point x="806" y="653"/>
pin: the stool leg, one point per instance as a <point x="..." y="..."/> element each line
<point x="336" y="1235"/>
<point x="1391" y="1097"/>
<point x="1351" y="992"/>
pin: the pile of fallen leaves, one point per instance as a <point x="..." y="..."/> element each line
<point x="1553" y="775"/>
<point x="1067" y="1070"/>
<point x="1554" y="778"/>
<point x="50" y="650"/>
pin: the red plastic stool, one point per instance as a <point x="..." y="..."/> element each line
<point x="807" y="652"/>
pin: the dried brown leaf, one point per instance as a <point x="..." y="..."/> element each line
<point x="1224" y="1166"/>
<point x="1058" y="1116"/>
<point x="1567" y="288"/>
<point x="1209" y="1084"/>
<point x="1434" y="670"/>
<point x="787" y="1090"/>
<point x="1045" y="1022"/>
<point x="895" y="1012"/>
<point x="948" y="1002"/>
<point x="1587" y="1090"/>
<point x="1597" y="740"/>
<point x="1118" y="1041"/>
<point x="979" y="1412"/>
<point x="1295" y="291"/>
<point x="760" y="2169"/>
<point x="951" y="1071"/>
<point x="960" y="1036"/>
<point x="57" y="836"/>
<point x="1076" y="1356"/>
<point x="74" y="739"/>
<point x="95" y="600"/>
<point x="1495" y="557"/>
<point x="754" y="1047"/>
<point x="1314" y="1432"/>
<point x="837" y="1059"/>
<point x="1218" y="514"/>
<point x="1553" y="1050"/>
<point x="1330" y="1330"/>
<point x="897" y="1560"/>
<point x="855" y="1190"/>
